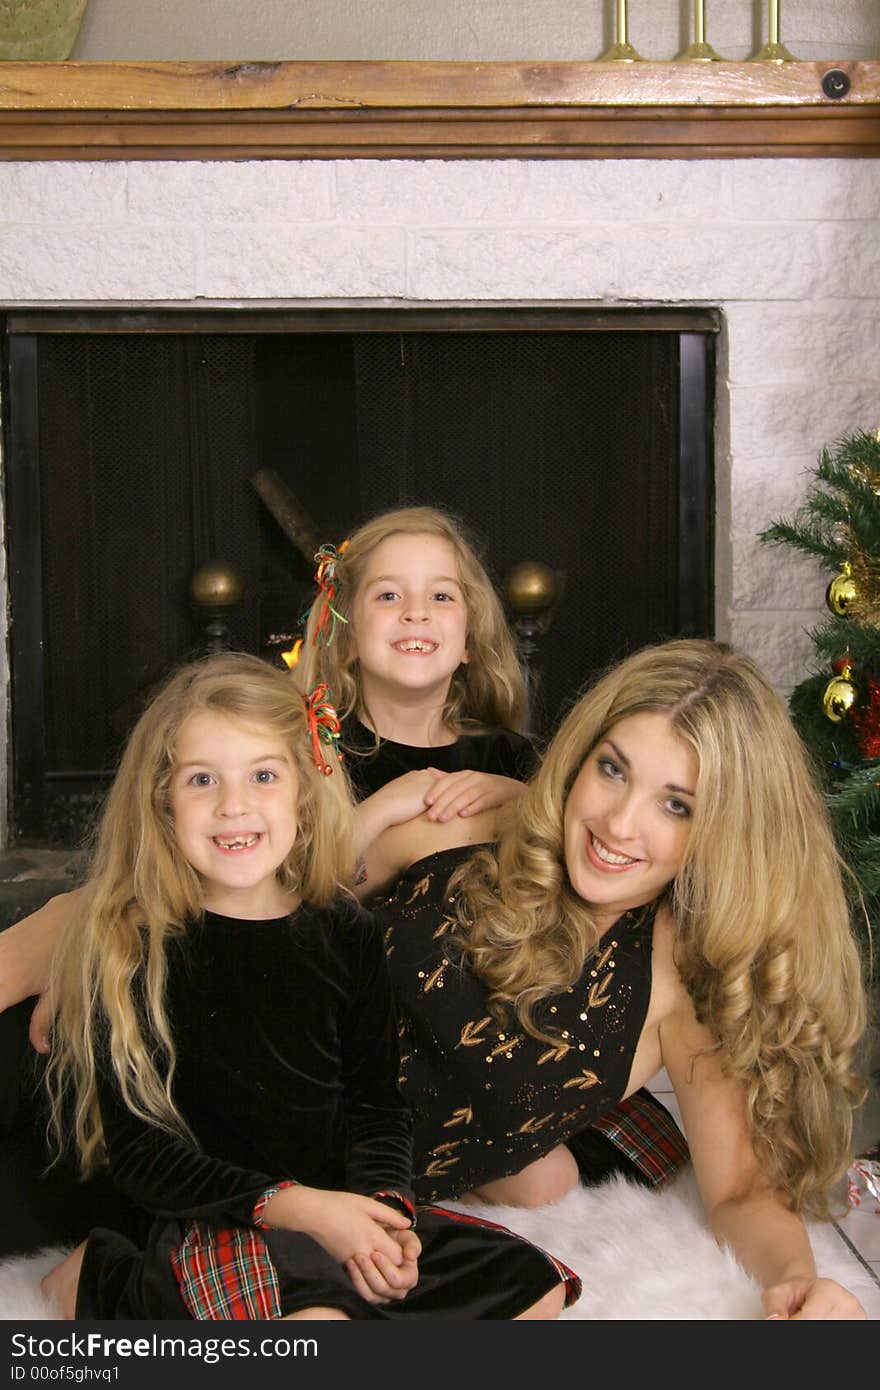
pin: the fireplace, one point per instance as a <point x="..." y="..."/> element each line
<point x="577" y="436"/>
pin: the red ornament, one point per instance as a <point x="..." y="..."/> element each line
<point x="866" y="721"/>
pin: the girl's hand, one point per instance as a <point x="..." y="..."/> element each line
<point x="812" y="1300"/>
<point x="377" y="1280"/>
<point x="345" y="1223"/>
<point x="398" y="801"/>
<point x="467" y="793"/>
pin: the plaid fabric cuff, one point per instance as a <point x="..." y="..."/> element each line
<point x="645" y="1131"/>
<point x="263" y="1201"/>
<point x="226" y="1274"/>
<point x="398" y="1199"/>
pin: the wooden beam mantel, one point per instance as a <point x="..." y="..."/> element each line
<point x="384" y="110"/>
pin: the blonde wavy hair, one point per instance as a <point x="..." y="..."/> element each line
<point x="488" y="690"/>
<point x="109" y="973"/>
<point x="765" y="944"/>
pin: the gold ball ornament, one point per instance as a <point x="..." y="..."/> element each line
<point x="531" y="587"/>
<point x="216" y="584"/>
<point x="842" y="592"/>
<point x="838" y="697"/>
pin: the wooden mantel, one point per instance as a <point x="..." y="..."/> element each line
<point x="393" y="110"/>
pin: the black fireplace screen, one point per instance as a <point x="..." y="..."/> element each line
<point x="129" y="459"/>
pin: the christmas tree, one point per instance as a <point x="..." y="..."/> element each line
<point x="837" y="711"/>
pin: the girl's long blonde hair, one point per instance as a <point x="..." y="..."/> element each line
<point x="140" y="891"/>
<point x="488" y="690"/>
<point x="764" y="939"/>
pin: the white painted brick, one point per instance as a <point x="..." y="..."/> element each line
<point x="278" y="261"/>
<point x="271" y="190"/>
<point x="513" y="265"/>
<point x="58" y="192"/>
<point x="715" y="262"/>
<point x="851" y="260"/>
<point x="776" y="577"/>
<point x="783" y="190"/>
<point x="527" y="193"/>
<point x="768" y="489"/>
<point x="783" y="342"/>
<point x="779" y="643"/>
<point x="798" y="421"/>
<point x="94" y="263"/>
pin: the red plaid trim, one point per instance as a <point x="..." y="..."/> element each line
<point x="572" y="1282"/>
<point x="225" y="1274"/>
<point x="262" y="1202"/>
<point x="649" y="1136"/>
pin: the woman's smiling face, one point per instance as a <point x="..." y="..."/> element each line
<point x="628" y="814"/>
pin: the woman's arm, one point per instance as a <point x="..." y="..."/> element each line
<point x="401" y="845"/>
<point x="743" y="1208"/>
<point x="398" y="801"/>
<point x="26" y="949"/>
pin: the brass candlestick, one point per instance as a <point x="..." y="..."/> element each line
<point x="700" y="51"/>
<point x="622" y="50"/>
<point x="773" y="51"/>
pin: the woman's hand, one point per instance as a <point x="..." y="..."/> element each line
<point x="812" y="1300"/>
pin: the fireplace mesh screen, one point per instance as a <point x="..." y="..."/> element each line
<point x="557" y="446"/>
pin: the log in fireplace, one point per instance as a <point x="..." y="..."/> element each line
<point x="577" y="436"/>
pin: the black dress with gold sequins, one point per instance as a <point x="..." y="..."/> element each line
<point x="487" y="1100"/>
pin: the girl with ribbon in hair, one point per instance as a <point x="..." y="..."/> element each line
<point x="409" y="635"/>
<point x="225" y="1039"/>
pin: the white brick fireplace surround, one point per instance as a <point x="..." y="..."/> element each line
<point x="787" y="249"/>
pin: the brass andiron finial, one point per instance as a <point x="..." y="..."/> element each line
<point x="700" y="51"/>
<point x="773" y="51"/>
<point x="622" y="50"/>
<point x="215" y="589"/>
<point x="532" y="590"/>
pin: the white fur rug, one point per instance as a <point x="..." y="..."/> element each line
<point x="641" y="1255"/>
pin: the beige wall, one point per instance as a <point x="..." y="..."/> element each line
<point x="461" y="29"/>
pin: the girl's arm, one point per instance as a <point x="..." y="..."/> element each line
<point x="167" y="1175"/>
<point x="743" y="1209"/>
<point x="378" y="1121"/>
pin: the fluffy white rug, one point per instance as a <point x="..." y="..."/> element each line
<point x="641" y="1255"/>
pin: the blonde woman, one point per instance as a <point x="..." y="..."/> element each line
<point x="665" y="894"/>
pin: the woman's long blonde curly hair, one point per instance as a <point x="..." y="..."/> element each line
<point x="488" y="690"/>
<point x="140" y="891"/>
<point x="764" y="939"/>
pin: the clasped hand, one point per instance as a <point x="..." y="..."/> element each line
<point x="373" y="1242"/>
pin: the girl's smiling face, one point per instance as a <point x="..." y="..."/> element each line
<point x="409" y="620"/>
<point x="234" y="804"/>
<point x="628" y="815"/>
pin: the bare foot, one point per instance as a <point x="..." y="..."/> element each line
<point x="61" y="1283"/>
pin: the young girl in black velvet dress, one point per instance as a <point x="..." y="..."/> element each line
<point x="226" y="1027"/>
<point x="409" y="635"/>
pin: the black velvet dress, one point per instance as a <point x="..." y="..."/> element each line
<point x="500" y="751"/>
<point x="287" y="1067"/>
<point x="487" y="1100"/>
